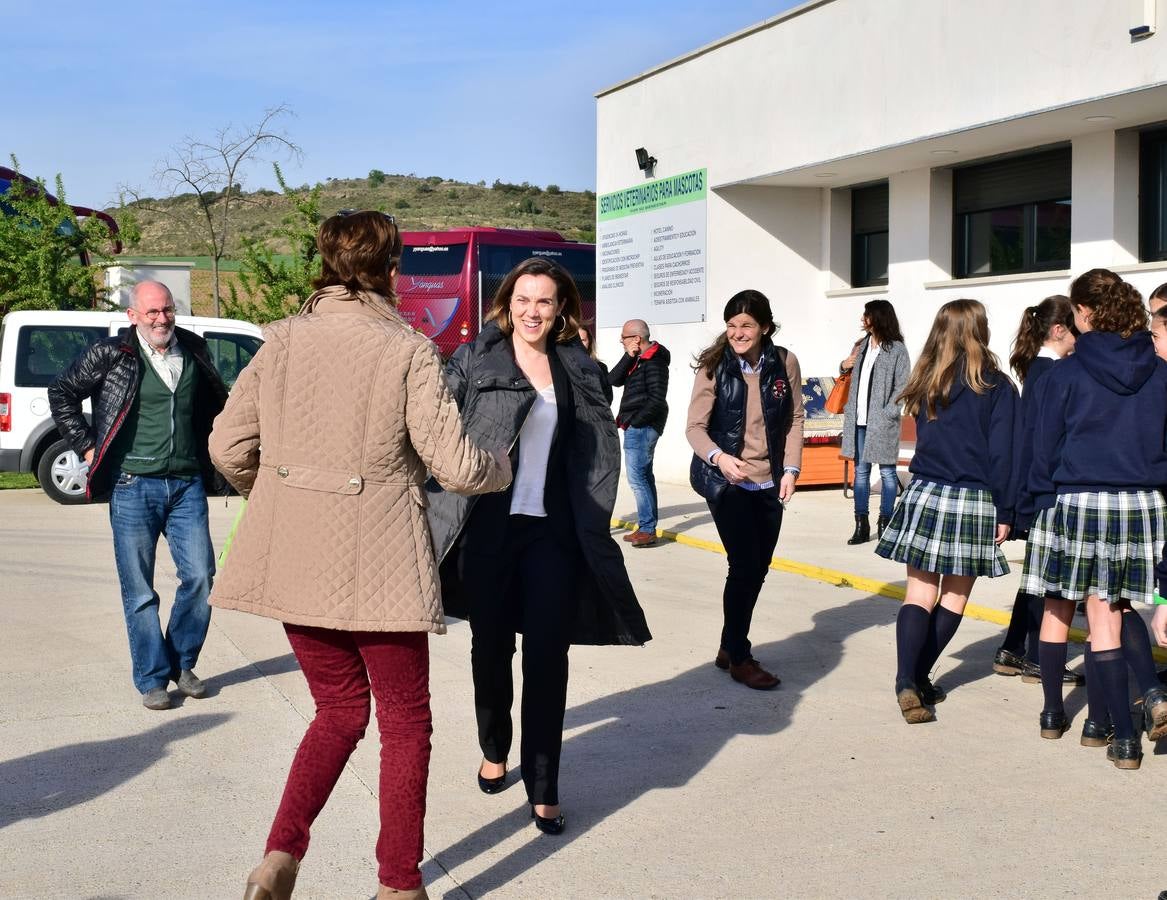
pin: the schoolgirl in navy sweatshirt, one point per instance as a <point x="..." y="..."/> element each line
<point x="1045" y="335"/>
<point x="958" y="508"/>
<point x="1100" y="448"/>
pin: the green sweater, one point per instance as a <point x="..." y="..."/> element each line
<point x="157" y="436"/>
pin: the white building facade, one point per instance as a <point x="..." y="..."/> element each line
<point x="915" y="150"/>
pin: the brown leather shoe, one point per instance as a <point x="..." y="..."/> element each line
<point x="721" y="660"/>
<point x="630" y="535"/>
<point x="642" y="539"/>
<point x="752" y="675"/>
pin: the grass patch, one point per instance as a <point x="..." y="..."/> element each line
<point x="10" y="481"/>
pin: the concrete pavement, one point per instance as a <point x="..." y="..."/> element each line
<point x="676" y="782"/>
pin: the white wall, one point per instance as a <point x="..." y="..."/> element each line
<point x="120" y="279"/>
<point x="849" y="76"/>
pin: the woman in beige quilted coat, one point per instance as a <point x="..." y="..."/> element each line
<point x="329" y="432"/>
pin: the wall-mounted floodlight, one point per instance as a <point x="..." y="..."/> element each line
<point x="646" y="163"/>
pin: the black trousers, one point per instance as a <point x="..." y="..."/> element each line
<point x="525" y="588"/>
<point x="748" y="523"/>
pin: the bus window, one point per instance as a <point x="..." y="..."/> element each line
<point x="433" y="259"/>
<point x="496" y="261"/>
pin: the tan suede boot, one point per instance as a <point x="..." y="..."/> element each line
<point x="274" y="878"/>
<point x="388" y="893"/>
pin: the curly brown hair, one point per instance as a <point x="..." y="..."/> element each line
<point x="1114" y="304"/>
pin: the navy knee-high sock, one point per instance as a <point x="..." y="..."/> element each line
<point x="911" y="633"/>
<point x="1095" y="697"/>
<point x="942" y="626"/>
<point x="1018" y="624"/>
<point x="1052" y="658"/>
<point x="1136" y="650"/>
<point x="1036" y="609"/>
<point x="1116" y="686"/>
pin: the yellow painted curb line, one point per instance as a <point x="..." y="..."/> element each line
<point x="856" y="582"/>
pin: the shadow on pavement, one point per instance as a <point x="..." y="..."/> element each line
<point x="665" y="513"/>
<point x="661" y="735"/>
<point x="53" y="780"/>
<point x="276" y="665"/>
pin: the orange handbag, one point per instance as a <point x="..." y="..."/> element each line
<point x="837" y="398"/>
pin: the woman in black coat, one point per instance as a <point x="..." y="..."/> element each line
<point x="537" y="559"/>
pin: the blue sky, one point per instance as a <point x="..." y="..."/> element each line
<point x="101" y="92"/>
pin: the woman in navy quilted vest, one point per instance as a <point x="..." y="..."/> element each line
<point x="745" y="427"/>
<point x="538" y="559"/>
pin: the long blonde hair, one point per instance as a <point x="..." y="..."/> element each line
<point x="960" y="330"/>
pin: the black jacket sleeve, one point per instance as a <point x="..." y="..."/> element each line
<point x="619" y="373"/>
<point x="653" y="406"/>
<point x="605" y="381"/>
<point x="75" y="385"/>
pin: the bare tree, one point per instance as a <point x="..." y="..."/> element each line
<point x="213" y="171"/>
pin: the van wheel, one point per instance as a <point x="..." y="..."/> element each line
<point x="62" y="474"/>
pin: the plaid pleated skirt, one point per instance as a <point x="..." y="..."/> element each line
<point x="1104" y="544"/>
<point x="944" y="529"/>
<point x="1037" y="549"/>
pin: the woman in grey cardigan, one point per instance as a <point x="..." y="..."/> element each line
<point x="871" y="419"/>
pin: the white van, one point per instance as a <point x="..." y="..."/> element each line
<point x="36" y="346"/>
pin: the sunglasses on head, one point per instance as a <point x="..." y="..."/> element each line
<point x="352" y="212"/>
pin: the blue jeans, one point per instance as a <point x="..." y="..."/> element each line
<point x="888" y="483"/>
<point x="141" y="509"/>
<point x="639" y="446"/>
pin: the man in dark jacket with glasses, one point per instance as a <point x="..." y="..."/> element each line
<point x="155" y="396"/>
<point x="643" y="372"/>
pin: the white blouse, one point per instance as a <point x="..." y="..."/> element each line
<point x="535" y="439"/>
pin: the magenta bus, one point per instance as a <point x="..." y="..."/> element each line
<point x="447" y="276"/>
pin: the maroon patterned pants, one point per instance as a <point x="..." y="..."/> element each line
<point x="341" y="667"/>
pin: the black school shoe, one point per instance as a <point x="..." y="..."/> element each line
<point x="1096" y="734"/>
<point x="1032" y="675"/>
<point x="930" y="693"/>
<point x="1054" y="725"/>
<point x="1006" y="662"/>
<point x="1126" y="753"/>
<point x="1155" y="713"/>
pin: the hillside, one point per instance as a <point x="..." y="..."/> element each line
<point x="419" y="204"/>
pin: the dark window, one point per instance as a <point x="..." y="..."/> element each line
<point x="231" y="352"/>
<point x="869" y="235"/>
<point x="1013" y="215"/>
<point x="496" y="261"/>
<point x="44" y="351"/>
<point x="1153" y="196"/>
<point x="433" y="259"/>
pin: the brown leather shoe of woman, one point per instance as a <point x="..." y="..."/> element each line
<point x="752" y="675"/>
<point x="274" y="878"/>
